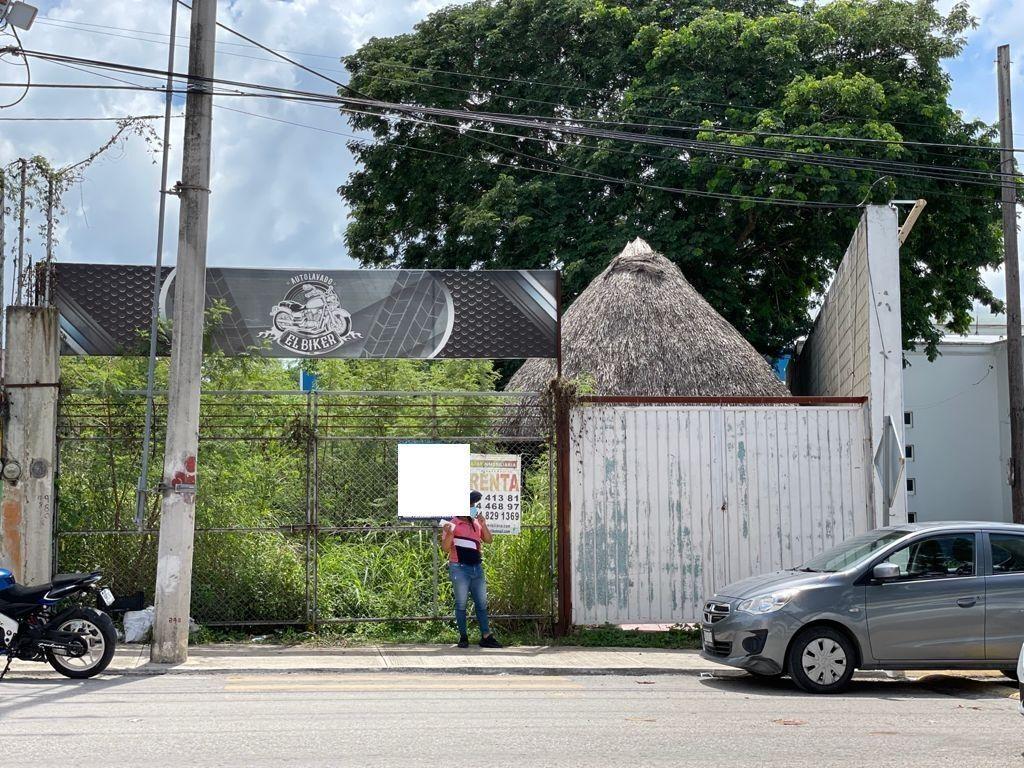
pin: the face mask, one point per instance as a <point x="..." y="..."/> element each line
<point x="474" y="511"/>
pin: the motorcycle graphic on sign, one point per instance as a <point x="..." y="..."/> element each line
<point x="310" y="319"/>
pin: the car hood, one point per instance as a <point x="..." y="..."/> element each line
<point x="771" y="582"/>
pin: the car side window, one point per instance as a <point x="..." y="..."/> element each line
<point x="1007" y="553"/>
<point x="937" y="557"/>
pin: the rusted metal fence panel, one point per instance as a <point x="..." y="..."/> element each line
<point x="670" y="502"/>
<point x="296" y="517"/>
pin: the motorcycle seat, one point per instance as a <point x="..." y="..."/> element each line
<point x="19" y="594"/>
<point x="62" y="579"/>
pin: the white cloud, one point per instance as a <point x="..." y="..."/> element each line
<point x="274" y="198"/>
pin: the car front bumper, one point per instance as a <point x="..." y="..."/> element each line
<point x="754" y="642"/>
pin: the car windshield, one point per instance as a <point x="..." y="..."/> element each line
<point x="851" y="551"/>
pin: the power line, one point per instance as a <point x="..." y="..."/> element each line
<point x="76" y="23"/>
<point x="496" y="78"/>
<point x="28" y="78"/>
<point x="935" y="172"/>
<point x="661" y="121"/>
<point x="76" y="119"/>
<point x="268" y="49"/>
<point x="924" y="172"/>
<point x="574" y="172"/>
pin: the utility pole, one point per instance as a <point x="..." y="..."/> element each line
<point x="1014" y="359"/>
<point x="177" y="518"/>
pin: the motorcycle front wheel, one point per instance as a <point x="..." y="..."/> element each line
<point x="100" y="637"/>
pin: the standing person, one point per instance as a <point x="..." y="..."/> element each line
<point x="463" y="538"/>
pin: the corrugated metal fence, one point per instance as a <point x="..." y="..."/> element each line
<point x="670" y="502"/>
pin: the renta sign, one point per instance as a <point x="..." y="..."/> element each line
<point x="502" y="314"/>
<point x="498" y="477"/>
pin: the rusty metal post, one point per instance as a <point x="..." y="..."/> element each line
<point x="564" y="622"/>
<point x="561" y="414"/>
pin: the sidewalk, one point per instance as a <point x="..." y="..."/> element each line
<point x="520" y="660"/>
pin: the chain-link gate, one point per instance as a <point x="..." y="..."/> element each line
<point x="296" y="511"/>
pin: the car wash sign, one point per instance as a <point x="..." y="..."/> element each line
<point x="499" y="478"/>
<point x="310" y="321"/>
<point x="419" y="314"/>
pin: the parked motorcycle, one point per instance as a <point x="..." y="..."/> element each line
<point x="77" y="641"/>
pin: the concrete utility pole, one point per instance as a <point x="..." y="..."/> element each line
<point x="1014" y="359"/>
<point x="177" y="519"/>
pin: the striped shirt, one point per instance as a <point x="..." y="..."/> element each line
<point x="466" y="545"/>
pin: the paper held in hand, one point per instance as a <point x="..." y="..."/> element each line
<point x="499" y="478"/>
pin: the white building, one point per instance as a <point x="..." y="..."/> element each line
<point x="956" y="428"/>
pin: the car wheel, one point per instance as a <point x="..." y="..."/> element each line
<point x="1010" y="673"/>
<point x="821" y="660"/>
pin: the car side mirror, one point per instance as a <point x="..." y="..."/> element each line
<point x="886" y="572"/>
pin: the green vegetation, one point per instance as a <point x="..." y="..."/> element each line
<point x="747" y="75"/>
<point x="255" y="558"/>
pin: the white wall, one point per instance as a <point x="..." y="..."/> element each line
<point x="671" y="503"/>
<point x="855" y="346"/>
<point x="958" y="464"/>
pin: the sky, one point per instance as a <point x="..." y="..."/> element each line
<point x="274" y="198"/>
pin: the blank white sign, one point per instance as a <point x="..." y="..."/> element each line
<point x="433" y="480"/>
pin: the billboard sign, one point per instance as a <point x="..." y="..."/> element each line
<point x="420" y="314"/>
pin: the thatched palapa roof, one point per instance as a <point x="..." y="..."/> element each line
<point x="641" y="329"/>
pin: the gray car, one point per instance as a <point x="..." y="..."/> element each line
<point x="919" y="596"/>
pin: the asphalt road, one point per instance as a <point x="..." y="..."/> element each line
<point x="480" y="720"/>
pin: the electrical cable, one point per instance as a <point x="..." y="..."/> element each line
<point x="268" y="49"/>
<point x="28" y="74"/>
<point x="662" y="122"/>
<point x="935" y="172"/>
<point x="80" y="119"/>
<point x="577" y="173"/>
<point x="511" y="80"/>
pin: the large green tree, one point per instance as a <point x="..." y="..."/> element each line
<point x="426" y="195"/>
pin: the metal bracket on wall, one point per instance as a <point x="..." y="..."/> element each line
<point x="33" y="386"/>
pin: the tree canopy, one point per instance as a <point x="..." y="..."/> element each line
<point x="434" y="192"/>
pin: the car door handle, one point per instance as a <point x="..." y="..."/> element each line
<point x="967" y="602"/>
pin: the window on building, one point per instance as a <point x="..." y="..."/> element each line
<point x="908" y="451"/>
<point x="911" y="485"/>
<point x="908" y="418"/>
<point x="911" y="517"/>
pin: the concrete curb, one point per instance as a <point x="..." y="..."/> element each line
<point x="146" y="671"/>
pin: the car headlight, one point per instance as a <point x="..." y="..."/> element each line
<point x="767" y="603"/>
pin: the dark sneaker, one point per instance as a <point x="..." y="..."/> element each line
<point x="490" y="642"/>
<point x="463" y="641"/>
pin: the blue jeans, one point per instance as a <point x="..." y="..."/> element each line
<point x="466" y="579"/>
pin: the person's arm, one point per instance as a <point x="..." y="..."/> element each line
<point x="485" y="533"/>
